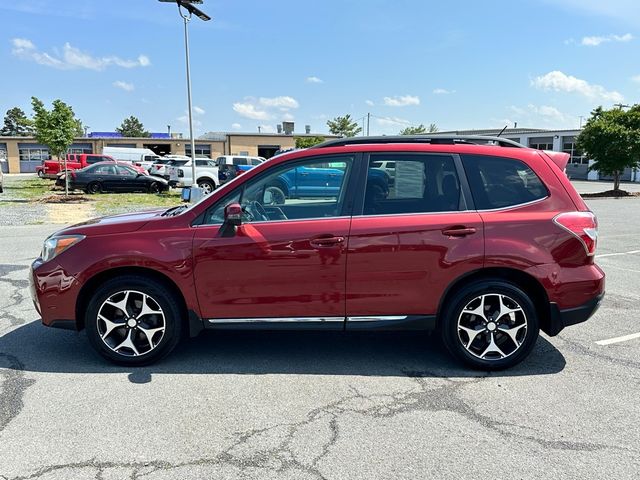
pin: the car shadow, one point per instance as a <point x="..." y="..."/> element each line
<point x="41" y="349"/>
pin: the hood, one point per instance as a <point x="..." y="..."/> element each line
<point x="127" y="222"/>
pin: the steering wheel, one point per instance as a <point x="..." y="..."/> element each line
<point x="256" y="211"/>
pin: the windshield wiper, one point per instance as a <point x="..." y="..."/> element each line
<point x="174" y="211"/>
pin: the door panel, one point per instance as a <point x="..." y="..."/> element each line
<point x="402" y="264"/>
<point x="293" y="268"/>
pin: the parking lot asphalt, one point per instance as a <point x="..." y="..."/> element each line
<point x="317" y="405"/>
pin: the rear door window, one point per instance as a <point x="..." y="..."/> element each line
<point x="239" y="161"/>
<point x="420" y="184"/>
<point x="498" y="182"/>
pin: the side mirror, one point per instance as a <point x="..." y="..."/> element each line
<point x="233" y="214"/>
<point x="232" y="220"/>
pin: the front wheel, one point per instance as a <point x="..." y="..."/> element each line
<point x="490" y="325"/>
<point x="154" y="187"/>
<point x="207" y="186"/>
<point x="40" y="173"/>
<point x="133" y="320"/>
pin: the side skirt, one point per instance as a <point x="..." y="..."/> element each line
<point x="387" y="322"/>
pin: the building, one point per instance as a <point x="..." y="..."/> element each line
<point x="24" y="154"/>
<point x="556" y="140"/>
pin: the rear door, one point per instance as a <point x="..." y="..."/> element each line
<point x="413" y="236"/>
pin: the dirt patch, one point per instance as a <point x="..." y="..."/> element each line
<point x="61" y="198"/>
<point x="611" y="194"/>
<point x="69" y="214"/>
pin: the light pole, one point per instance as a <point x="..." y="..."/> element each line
<point x="196" y="193"/>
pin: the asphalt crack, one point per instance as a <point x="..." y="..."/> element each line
<point x="274" y="448"/>
<point x="12" y="388"/>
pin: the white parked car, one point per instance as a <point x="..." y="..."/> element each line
<point x="160" y="166"/>
<point x="230" y="166"/>
<point x="206" y="175"/>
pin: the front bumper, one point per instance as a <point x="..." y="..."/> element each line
<point x="571" y="316"/>
<point x="54" y="293"/>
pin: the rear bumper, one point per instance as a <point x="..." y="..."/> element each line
<point x="571" y="316"/>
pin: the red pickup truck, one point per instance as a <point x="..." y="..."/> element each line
<point x="76" y="161"/>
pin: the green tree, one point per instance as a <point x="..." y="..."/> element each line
<point x="79" y="128"/>
<point x="306" y="142"/>
<point x="611" y="138"/>
<point x="420" y="129"/>
<point x="132" y="127"/>
<point x="55" y="128"/>
<point x="16" y="124"/>
<point x="344" y="126"/>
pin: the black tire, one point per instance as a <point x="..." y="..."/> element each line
<point x="207" y="185"/>
<point x="94" y="187"/>
<point x="154" y="187"/>
<point x="160" y="295"/>
<point x="40" y="174"/>
<point x="497" y="291"/>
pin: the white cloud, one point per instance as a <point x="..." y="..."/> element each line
<point x="313" y="79"/>
<point x="392" y="121"/>
<point x="369" y="102"/>
<point x="561" y="82"/>
<point x="198" y="110"/>
<point x="185" y="119"/>
<point x="442" y="91"/>
<point x="267" y="129"/>
<point x="249" y="110"/>
<point x="287" y="117"/>
<point x="636" y="78"/>
<point x="547" y="115"/>
<point x="594" y="41"/>
<point x="236" y="126"/>
<point x="71" y="57"/>
<point x="401" y="101"/>
<point x="127" y="87"/>
<point x="283" y="102"/>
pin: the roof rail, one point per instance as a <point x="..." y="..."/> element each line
<point x="434" y="139"/>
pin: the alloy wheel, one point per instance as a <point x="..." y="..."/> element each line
<point x="131" y="323"/>
<point x="206" y="187"/>
<point x="492" y="326"/>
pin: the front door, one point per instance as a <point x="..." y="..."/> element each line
<point x="286" y="264"/>
<point x="411" y="241"/>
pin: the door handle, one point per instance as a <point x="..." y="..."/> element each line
<point x="326" y="241"/>
<point x="458" y="231"/>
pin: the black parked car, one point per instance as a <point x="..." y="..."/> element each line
<point x="112" y="177"/>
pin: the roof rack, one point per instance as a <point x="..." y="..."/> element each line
<point x="433" y="139"/>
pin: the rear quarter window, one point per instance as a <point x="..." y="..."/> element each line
<point x="498" y="182"/>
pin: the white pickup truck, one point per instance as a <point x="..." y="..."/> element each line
<point x="206" y="175"/>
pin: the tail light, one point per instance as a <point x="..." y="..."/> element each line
<point x="583" y="225"/>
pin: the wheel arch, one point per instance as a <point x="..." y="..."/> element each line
<point x="523" y="280"/>
<point x="207" y="178"/>
<point x="90" y="286"/>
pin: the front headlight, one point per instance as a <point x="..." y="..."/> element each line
<point x="54" y="246"/>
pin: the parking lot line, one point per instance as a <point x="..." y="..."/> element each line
<point x="617" y="254"/>
<point x="619" y="339"/>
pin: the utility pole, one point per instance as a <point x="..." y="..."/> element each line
<point x="368" y="119"/>
<point x="621" y="106"/>
<point x="581" y="117"/>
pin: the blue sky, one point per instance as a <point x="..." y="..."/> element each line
<point x="464" y="64"/>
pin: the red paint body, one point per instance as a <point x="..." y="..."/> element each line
<point x="386" y="265"/>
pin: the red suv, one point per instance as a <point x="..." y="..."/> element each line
<point x="477" y="237"/>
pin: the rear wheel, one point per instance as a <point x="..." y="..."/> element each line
<point x="490" y="325"/>
<point x="133" y="320"/>
<point x="154" y="187"/>
<point x="94" y="187"/>
<point x="206" y="185"/>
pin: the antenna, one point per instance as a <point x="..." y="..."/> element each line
<point x="502" y="131"/>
